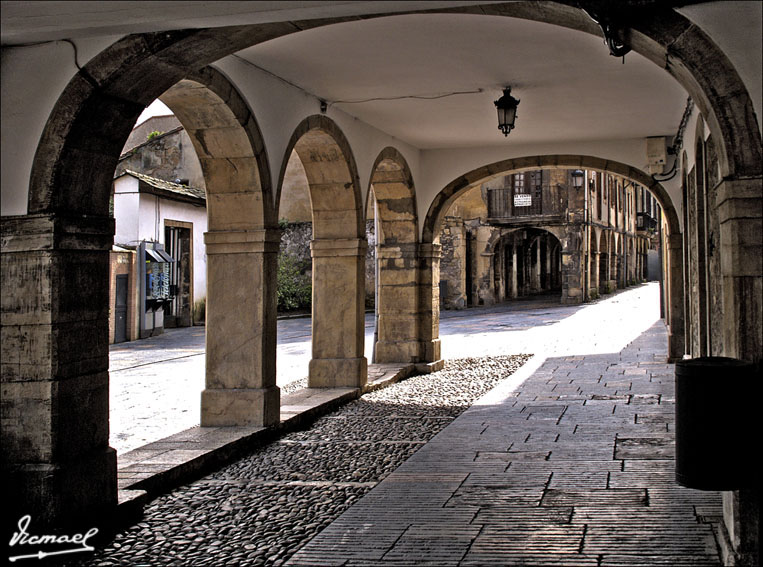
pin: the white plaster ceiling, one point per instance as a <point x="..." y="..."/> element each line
<point x="569" y="86"/>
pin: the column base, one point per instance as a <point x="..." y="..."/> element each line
<point x="338" y="373"/>
<point x="229" y="407"/>
<point x="63" y="496"/>
<point x="430" y="350"/>
<point x="398" y="351"/>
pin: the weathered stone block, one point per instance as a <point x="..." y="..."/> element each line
<point x="338" y="373"/>
<point x="240" y="406"/>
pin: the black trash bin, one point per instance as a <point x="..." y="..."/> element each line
<point x="717" y="441"/>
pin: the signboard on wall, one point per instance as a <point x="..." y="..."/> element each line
<point x="523" y="200"/>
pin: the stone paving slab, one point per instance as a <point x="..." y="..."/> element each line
<point x="572" y="467"/>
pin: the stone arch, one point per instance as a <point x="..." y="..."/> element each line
<point x="81" y="141"/>
<point x="230" y="148"/>
<point x="398" y="322"/>
<point x="332" y="178"/>
<point x="526" y="261"/>
<point x="241" y="246"/>
<point x="455" y="188"/>
<point x="70" y="187"/>
<point x="338" y="250"/>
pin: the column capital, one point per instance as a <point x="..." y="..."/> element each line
<point x="427" y="250"/>
<point x="243" y="241"/>
<point x="332" y="247"/>
<point x="48" y="232"/>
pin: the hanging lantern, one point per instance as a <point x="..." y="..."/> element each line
<point x="577" y="178"/>
<point x="507" y="111"/>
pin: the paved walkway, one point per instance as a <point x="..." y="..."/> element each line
<point x="572" y="465"/>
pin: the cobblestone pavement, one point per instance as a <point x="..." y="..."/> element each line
<point x="566" y="461"/>
<point x="156" y="383"/>
<point x="261" y="509"/>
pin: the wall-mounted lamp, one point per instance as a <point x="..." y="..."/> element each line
<point x="507" y="111"/>
<point x="578" y="176"/>
<point x="324" y="106"/>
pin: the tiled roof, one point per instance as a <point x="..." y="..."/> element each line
<point x="185" y="190"/>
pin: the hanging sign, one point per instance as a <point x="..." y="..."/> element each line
<point x="523" y="200"/>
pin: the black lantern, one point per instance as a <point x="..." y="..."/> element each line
<point x="577" y="178"/>
<point x="507" y="111"/>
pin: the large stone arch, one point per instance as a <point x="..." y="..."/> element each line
<point x="458" y="186"/>
<point x="72" y="421"/>
<point x="673" y="238"/>
<point x="338" y="249"/>
<point x="241" y="247"/>
<point x="398" y="324"/>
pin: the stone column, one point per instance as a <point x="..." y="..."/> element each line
<point x="514" y="281"/>
<point x="58" y="466"/>
<point x="535" y="281"/>
<point x="549" y="277"/>
<point x="594" y="277"/>
<point x="675" y="291"/>
<point x="398" y="304"/>
<point x="429" y="305"/>
<point x="739" y="206"/>
<point x="338" y="313"/>
<point x="740" y="215"/>
<point x="499" y="276"/>
<point x="241" y="329"/>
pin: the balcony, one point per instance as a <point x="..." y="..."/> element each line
<point x="506" y="207"/>
<point x="645" y="223"/>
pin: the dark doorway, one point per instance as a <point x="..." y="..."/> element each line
<point x="177" y="313"/>
<point x="120" y="310"/>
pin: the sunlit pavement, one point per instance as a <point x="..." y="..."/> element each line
<point x="156" y="383"/>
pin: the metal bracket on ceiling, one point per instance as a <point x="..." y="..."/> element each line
<point x="613" y="19"/>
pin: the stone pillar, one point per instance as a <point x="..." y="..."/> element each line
<point x="740" y="208"/>
<point x="535" y="281"/>
<point x="499" y="277"/>
<point x="338" y="313"/>
<point x="57" y="463"/>
<point x="549" y="277"/>
<point x="675" y="291"/>
<point x="594" y="277"/>
<point x="429" y="305"/>
<point x="572" y="266"/>
<point x="241" y="329"/>
<point x="514" y="281"/>
<point x="398" y="305"/>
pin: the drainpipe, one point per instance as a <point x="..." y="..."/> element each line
<point x="376" y="278"/>
<point x="587" y="242"/>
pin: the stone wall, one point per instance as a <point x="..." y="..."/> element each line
<point x="295" y="241"/>
<point x="452" y="264"/>
<point x="168" y="157"/>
